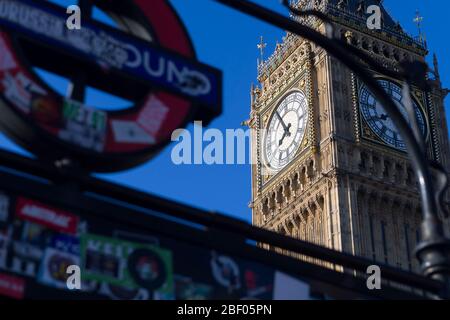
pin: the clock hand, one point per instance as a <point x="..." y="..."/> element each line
<point x="282" y="138"/>
<point x="286" y="128"/>
<point x="285" y="134"/>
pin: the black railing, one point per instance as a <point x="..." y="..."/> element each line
<point x="236" y="229"/>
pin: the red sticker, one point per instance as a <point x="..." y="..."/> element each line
<point x="11" y="286"/>
<point x="48" y="216"/>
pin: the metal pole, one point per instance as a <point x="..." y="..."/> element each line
<point x="433" y="250"/>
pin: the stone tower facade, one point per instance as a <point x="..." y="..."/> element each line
<point x="345" y="182"/>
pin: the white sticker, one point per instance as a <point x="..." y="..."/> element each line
<point x="152" y="115"/>
<point x="130" y="132"/>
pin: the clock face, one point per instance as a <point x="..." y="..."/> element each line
<point x="286" y="130"/>
<point x="379" y="121"/>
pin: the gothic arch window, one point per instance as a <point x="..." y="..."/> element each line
<point x="363" y="162"/>
<point x="302" y="52"/>
<point x="321" y="202"/>
<point x="290" y="227"/>
<point x="303" y="176"/>
<point x="384" y="240"/>
<point x="386" y="52"/>
<point x="310" y="224"/>
<point x="287" y="189"/>
<point x="398" y="173"/>
<point x="410" y="176"/>
<point x="406" y="231"/>
<point x="297" y="220"/>
<point x="396" y="232"/>
<point x="396" y="56"/>
<point x="265" y="207"/>
<point x="280" y="195"/>
<point x="375" y="48"/>
<point x="295" y="185"/>
<point x="274" y="79"/>
<point x="365" y="44"/>
<point x="303" y="227"/>
<point x="310" y="168"/>
<point x="386" y="172"/>
<point x="376" y="164"/>
<point x="294" y="58"/>
<point x="405" y="57"/>
<point x="372" y="236"/>
<point x="272" y="201"/>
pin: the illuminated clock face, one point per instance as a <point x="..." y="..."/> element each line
<point x="379" y="121"/>
<point x="286" y="130"/>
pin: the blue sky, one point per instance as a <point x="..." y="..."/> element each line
<point x="227" y="40"/>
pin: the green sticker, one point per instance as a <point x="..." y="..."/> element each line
<point x="106" y="259"/>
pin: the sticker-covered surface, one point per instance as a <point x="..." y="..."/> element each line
<point x="41" y="241"/>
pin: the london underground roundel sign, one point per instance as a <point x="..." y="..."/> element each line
<point x="147" y="60"/>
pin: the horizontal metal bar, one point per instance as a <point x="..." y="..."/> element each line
<point x="321" y="279"/>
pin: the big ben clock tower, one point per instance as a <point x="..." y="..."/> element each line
<point x="329" y="164"/>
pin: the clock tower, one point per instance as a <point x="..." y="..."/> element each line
<point x="329" y="165"/>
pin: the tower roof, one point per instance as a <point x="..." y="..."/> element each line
<point x="359" y="8"/>
<point x="351" y="14"/>
<point x="354" y="13"/>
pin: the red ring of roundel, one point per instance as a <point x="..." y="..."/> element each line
<point x="172" y="110"/>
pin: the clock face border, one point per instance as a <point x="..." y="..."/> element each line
<point x="365" y="130"/>
<point x="271" y="114"/>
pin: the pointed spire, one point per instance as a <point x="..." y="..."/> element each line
<point x="342" y="4"/>
<point x="261" y="46"/>
<point x="361" y="10"/>
<point x="252" y="94"/>
<point x="277" y="47"/>
<point x="436" y="67"/>
<point x="418" y="20"/>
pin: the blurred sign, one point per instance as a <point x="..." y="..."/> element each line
<point x="165" y="83"/>
<point x="114" y="49"/>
